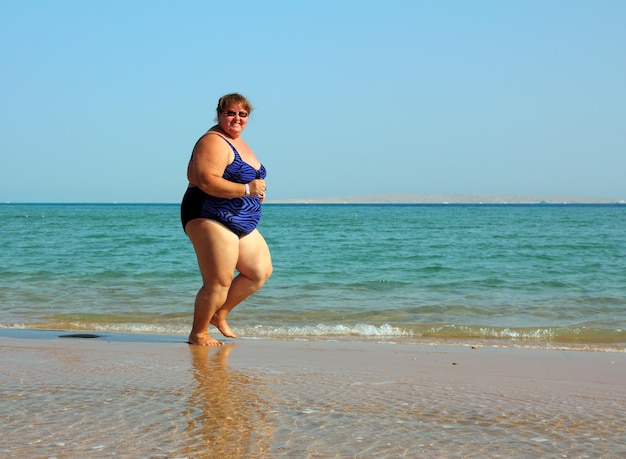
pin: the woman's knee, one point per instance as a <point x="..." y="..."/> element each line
<point x="263" y="271"/>
<point x="215" y="288"/>
<point x="269" y="269"/>
<point x="258" y="276"/>
<point x="218" y="283"/>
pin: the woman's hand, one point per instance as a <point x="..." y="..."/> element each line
<point x="257" y="188"/>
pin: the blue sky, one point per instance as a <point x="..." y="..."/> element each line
<point x="102" y="101"/>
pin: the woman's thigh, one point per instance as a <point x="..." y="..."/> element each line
<point x="255" y="260"/>
<point x="217" y="249"/>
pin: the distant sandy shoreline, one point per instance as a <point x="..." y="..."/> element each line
<point x="451" y="199"/>
<point x="394" y="199"/>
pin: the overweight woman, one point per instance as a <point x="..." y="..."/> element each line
<point x="220" y="212"/>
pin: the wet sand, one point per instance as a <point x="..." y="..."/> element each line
<point x="137" y="396"/>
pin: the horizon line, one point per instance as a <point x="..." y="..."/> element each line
<point x="468" y="198"/>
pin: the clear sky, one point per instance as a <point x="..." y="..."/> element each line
<point x="102" y="101"/>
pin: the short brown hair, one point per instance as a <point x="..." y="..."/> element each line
<point x="234" y="98"/>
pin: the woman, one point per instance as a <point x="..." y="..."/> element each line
<point x="220" y="212"/>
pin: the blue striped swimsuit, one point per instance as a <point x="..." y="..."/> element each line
<point x="240" y="215"/>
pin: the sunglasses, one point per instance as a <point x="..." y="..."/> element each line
<point x="230" y="113"/>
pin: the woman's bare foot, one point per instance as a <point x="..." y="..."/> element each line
<point x="222" y="326"/>
<point x="203" y="339"/>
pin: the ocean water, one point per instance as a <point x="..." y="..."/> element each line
<point x="548" y="276"/>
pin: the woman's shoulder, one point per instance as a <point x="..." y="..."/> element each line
<point x="212" y="137"/>
<point x="211" y="142"/>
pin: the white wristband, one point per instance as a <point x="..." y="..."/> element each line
<point x="247" y="189"/>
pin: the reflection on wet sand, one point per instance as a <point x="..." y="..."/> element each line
<point x="228" y="413"/>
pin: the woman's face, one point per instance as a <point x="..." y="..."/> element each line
<point x="233" y="120"/>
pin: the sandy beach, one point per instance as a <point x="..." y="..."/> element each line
<point x="140" y="396"/>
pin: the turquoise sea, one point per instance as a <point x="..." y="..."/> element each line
<point x="548" y="276"/>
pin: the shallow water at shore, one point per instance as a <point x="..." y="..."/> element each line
<point x="265" y="399"/>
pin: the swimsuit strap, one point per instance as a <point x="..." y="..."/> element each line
<point x="225" y="140"/>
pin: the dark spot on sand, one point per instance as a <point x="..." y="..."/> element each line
<point x="80" y="335"/>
